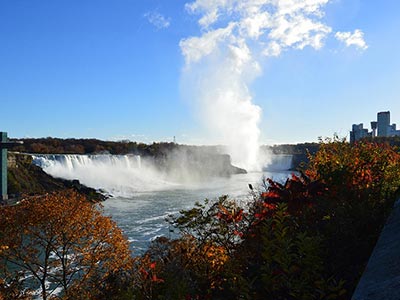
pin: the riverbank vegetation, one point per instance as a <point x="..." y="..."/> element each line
<point x="51" y="145"/>
<point x="307" y="238"/>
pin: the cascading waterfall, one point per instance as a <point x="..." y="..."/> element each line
<point x="144" y="196"/>
<point x="279" y="162"/>
<point x="120" y="175"/>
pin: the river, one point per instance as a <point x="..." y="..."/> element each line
<point x="143" y="197"/>
<point x="142" y="215"/>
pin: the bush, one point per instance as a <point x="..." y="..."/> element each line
<point x="60" y="241"/>
<point x="307" y="238"/>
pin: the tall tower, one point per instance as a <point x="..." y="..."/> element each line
<point x="374" y="126"/>
<point x="383" y="123"/>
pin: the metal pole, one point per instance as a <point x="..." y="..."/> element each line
<point x="3" y="166"/>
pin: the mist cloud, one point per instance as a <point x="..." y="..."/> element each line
<point x="223" y="60"/>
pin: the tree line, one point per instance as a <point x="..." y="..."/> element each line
<point x="51" y="145"/>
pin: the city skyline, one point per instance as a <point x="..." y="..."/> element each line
<point x="382" y="127"/>
<point x="116" y="70"/>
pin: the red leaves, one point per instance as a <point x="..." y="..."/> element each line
<point x="299" y="192"/>
<point x="356" y="170"/>
<point x="144" y="273"/>
<point x="154" y="278"/>
<point x="147" y="270"/>
<point x="270" y="194"/>
<point x="235" y="215"/>
<point x="238" y="233"/>
<point x="265" y="210"/>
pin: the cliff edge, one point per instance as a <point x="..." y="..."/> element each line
<point x="27" y="178"/>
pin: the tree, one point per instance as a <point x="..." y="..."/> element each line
<point x="363" y="182"/>
<point x="60" y="241"/>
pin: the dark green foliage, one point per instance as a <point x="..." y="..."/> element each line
<point x="221" y="222"/>
<point x="292" y="265"/>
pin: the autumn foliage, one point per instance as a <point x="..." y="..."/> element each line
<point x="306" y="238"/>
<point x="60" y="241"/>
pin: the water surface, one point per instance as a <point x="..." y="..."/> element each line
<point x="142" y="215"/>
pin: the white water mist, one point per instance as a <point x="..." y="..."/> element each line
<point x="119" y="175"/>
<point x="126" y="175"/>
<point x="220" y="90"/>
<point x="223" y="61"/>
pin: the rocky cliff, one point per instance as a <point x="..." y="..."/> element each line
<point x="26" y="178"/>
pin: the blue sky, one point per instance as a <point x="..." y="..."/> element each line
<point x="114" y="69"/>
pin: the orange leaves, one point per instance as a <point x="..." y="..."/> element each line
<point x="270" y="194"/>
<point x="53" y="235"/>
<point x="234" y="215"/>
<point x="216" y="255"/>
<point x="365" y="167"/>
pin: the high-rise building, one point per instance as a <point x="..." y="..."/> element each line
<point x="374" y="126"/>
<point x="384" y="123"/>
<point x="380" y="128"/>
<point x="358" y="132"/>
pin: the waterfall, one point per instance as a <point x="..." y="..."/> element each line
<point x="279" y="162"/>
<point x="119" y="175"/>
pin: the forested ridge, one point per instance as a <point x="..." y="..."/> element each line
<point x="51" y="145"/>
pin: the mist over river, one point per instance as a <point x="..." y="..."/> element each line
<point x="142" y="197"/>
<point x="142" y="216"/>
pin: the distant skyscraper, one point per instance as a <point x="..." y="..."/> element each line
<point x="358" y="132"/>
<point x="374" y="126"/>
<point x="380" y="128"/>
<point x="383" y="123"/>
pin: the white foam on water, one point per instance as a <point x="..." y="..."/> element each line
<point x="119" y="175"/>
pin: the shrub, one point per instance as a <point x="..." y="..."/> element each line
<point x="61" y="241"/>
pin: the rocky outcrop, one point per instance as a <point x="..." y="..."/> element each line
<point x="27" y="178"/>
<point x="195" y="164"/>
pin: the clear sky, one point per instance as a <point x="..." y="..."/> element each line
<point x="115" y="69"/>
